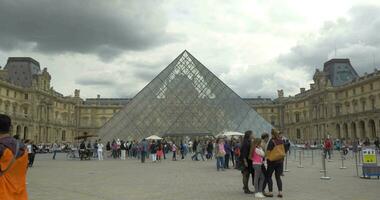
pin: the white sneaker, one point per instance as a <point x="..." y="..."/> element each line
<point x="259" y="195"/>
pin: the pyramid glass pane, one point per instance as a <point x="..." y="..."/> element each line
<point x="185" y="99"/>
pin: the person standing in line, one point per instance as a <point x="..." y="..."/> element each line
<point x="220" y="154"/>
<point x="95" y="150"/>
<point x="275" y="159"/>
<point x="108" y="149"/>
<point x="153" y="151"/>
<point x="123" y="150"/>
<point x="55" y="149"/>
<point x="264" y="144"/>
<point x="228" y="151"/>
<point x="257" y="162"/>
<point x="13" y="164"/>
<point x="174" y="150"/>
<point x="160" y="151"/>
<point x="100" y="150"/>
<point x="245" y="161"/>
<point x="144" y="149"/>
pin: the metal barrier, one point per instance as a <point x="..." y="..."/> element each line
<point x="324" y="170"/>
<point x="300" y="159"/>
<point x="342" y="157"/>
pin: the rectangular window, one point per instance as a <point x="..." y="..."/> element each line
<point x="346" y="94"/>
<point x="362" y="88"/>
<point x="298" y="134"/>
<point x="371" y="86"/>
<point x="297" y="117"/>
<point x="26" y="96"/>
<point x="7" y="92"/>
<point x="354" y="91"/>
<point x="15" y="94"/>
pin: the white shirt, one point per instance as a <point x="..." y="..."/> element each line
<point x="29" y="147"/>
<point x="100" y="147"/>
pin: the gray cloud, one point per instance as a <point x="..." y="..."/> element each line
<point x="90" y="81"/>
<point x="355" y="37"/>
<point x="105" y="28"/>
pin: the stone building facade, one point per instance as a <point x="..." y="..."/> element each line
<point x="339" y="103"/>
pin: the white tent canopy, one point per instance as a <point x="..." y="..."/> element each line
<point x="153" y="137"/>
<point x="232" y="133"/>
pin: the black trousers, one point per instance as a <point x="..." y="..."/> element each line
<point x="277" y="169"/>
<point x="143" y="155"/>
<point x="227" y="161"/>
<point x="31" y="159"/>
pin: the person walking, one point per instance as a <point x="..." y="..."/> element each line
<point x="32" y="149"/>
<point x="245" y="161"/>
<point x="100" y="150"/>
<point x="220" y="154"/>
<point x="13" y="163"/>
<point x="275" y="159"/>
<point x="55" y="149"/>
<point x="257" y="162"/>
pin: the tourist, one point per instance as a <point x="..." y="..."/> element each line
<point x="182" y="150"/>
<point x="232" y="145"/>
<point x="100" y="150"/>
<point x="264" y="144"/>
<point x="327" y="146"/>
<point x="198" y="150"/>
<point x="245" y="161"/>
<point x="13" y="162"/>
<point x="227" y="156"/>
<point x="160" y="151"/>
<point x="237" y="154"/>
<point x="257" y="162"/>
<point x="123" y="150"/>
<point x="118" y="148"/>
<point x="220" y="154"/>
<point x="174" y="150"/>
<point x="32" y="149"/>
<point x="55" y="149"/>
<point x="275" y="159"/>
<point x="210" y="149"/>
<point x="153" y="151"/>
<point x="95" y="149"/>
<point x="144" y="150"/>
<point x="108" y="149"/>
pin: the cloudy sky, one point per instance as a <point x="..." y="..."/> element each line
<point x="114" y="48"/>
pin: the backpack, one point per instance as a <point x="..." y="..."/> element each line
<point x="277" y="153"/>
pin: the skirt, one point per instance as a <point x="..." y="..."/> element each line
<point x="160" y="153"/>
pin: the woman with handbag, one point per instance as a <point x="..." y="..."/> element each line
<point x="275" y="159"/>
<point x="220" y="153"/>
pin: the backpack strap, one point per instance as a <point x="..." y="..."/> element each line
<point x="13" y="159"/>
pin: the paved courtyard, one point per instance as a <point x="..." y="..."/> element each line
<point x="116" y="180"/>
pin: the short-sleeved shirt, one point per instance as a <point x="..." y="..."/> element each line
<point x="13" y="181"/>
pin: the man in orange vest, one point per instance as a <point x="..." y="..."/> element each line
<point x="13" y="164"/>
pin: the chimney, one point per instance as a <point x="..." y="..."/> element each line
<point x="302" y="90"/>
<point x="98" y="96"/>
<point x="280" y="93"/>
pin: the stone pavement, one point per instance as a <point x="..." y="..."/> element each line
<point x="185" y="180"/>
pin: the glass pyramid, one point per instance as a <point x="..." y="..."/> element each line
<point x="185" y="99"/>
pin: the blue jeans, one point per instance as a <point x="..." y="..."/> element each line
<point x="220" y="162"/>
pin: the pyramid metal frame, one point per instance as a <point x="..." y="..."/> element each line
<point x="185" y="99"/>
